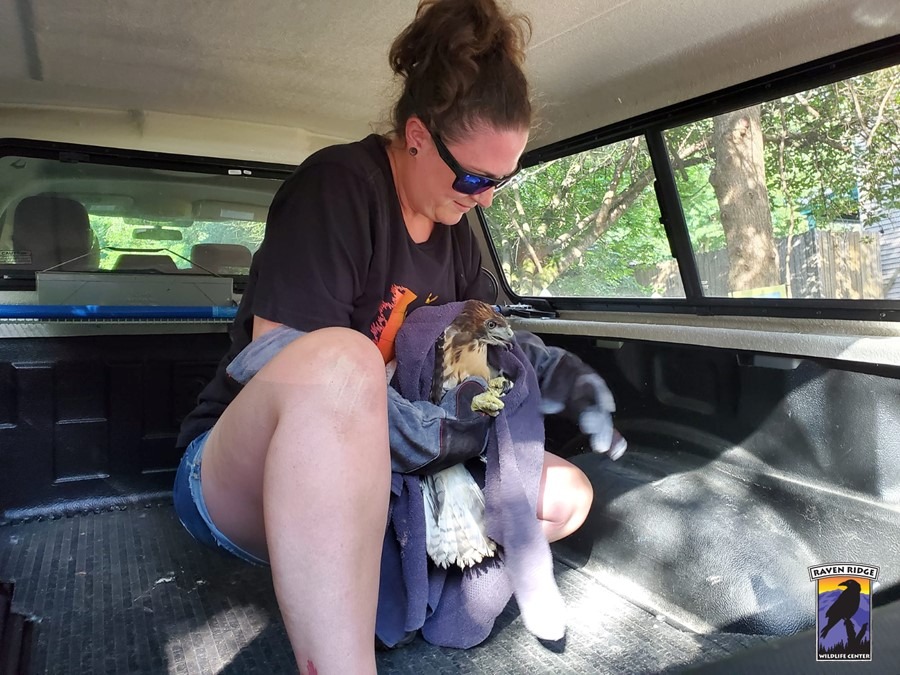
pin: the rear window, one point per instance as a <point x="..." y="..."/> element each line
<point x="83" y="216"/>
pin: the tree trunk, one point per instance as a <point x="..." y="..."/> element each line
<point x="739" y="180"/>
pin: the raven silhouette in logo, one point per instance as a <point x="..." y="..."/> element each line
<point x="455" y="531"/>
<point x="844" y="607"/>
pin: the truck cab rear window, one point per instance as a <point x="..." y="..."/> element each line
<point x="80" y="216"/>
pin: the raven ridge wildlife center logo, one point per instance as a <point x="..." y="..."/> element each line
<point x="843" y="611"/>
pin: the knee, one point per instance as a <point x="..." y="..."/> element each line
<point x="579" y="496"/>
<point x="344" y="348"/>
<point x="574" y="501"/>
<point x="335" y="370"/>
<point x="331" y="353"/>
<point x="566" y="498"/>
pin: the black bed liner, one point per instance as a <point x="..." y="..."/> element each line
<point x="737" y="478"/>
<point x="128" y="591"/>
<point x="124" y="589"/>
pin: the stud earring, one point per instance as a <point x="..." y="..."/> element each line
<point x="414" y="151"/>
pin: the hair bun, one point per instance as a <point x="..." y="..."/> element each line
<point x="452" y="56"/>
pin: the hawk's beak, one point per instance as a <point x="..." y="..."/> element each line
<point x="503" y="337"/>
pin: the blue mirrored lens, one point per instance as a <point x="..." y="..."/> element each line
<point x="472" y="185"/>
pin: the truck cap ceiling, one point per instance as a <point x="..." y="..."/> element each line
<point x="322" y="66"/>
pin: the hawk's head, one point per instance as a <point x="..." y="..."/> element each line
<point x="463" y="350"/>
<point x="479" y="322"/>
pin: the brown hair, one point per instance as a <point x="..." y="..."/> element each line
<point x="461" y="61"/>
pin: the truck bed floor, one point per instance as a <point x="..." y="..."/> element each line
<point x="129" y="591"/>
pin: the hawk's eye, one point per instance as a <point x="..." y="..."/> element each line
<point x="491" y="324"/>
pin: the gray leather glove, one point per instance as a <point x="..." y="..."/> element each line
<point x="592" y="401"/>
<point x="426" y="438"/>
<point x="573" y="389"/>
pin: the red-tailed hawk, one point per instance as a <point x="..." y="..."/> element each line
<point x="454" y="504"/>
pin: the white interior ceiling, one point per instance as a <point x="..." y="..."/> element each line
<point x="320" y="69"/>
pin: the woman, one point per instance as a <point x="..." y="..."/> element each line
<point x="296" y="464"/>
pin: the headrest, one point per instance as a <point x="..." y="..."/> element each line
<point x="141" y="261"/>
<point x="48" y="230"/>
<point x="489" y="285"/>
<point x="221" y="258"/>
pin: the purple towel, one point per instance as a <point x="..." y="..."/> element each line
<point x="455" y="608"/>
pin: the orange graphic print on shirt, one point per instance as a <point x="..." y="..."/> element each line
<point x="390" y="317"/>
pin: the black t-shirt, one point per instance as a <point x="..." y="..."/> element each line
<point x="337" y="253"/>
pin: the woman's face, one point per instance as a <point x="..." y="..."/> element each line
<point x="485" y="151"/>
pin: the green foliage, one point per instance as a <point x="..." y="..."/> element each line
<point x="573" y="226"/>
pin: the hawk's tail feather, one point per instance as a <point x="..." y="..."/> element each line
<point x="454" y="519"/>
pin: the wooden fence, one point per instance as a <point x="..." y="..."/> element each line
<point x="823" y="264"/>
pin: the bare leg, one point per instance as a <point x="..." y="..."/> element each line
<point x="297" y="470"/>
<point x="564" y="499"/>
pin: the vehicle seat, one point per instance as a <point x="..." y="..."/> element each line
<point x="220" y="258"/>
<point x="49" y="230"/>
<point x="143" y="262"/>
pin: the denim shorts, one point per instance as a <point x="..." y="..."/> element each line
<point x="191" y="508"/>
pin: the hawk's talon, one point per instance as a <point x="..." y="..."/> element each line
<point x="488" y="402"/>
<point x="500" y="385"/>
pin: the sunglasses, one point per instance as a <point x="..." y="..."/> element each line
<point x="466" y="182"/>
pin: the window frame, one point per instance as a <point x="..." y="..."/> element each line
<point x="843" y="65"/>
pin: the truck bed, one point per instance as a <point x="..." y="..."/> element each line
<point x="737" y="478"/>
<point x="128" y="590"/>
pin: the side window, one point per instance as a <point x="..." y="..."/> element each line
<point x="792" y="198"/>
<point x="797" y="197"/>
<point x="585" y="225"/>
